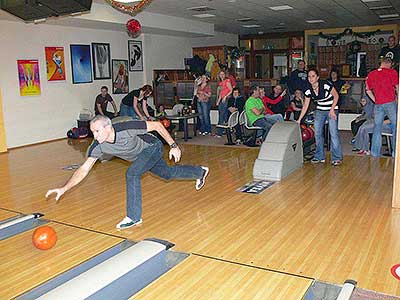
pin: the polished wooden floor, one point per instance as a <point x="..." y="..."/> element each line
<point x="323" y="222"/>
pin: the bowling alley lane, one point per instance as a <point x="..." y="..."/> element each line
<point x="23" y="266"/>
<point x="5" y="214"/>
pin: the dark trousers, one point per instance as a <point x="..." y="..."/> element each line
<point x="355" y="125"/>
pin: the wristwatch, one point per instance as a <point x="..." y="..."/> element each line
<point x="174" y="145"/>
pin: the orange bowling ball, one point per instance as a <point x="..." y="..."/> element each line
<point x="44" y="237"/>
<point x="166" y="123"/>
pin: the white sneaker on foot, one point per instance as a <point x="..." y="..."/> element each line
<point x="128" y="222"/>
<point x="201" y="181"/>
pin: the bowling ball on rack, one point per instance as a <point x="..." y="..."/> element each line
<point x="44" y="237"/>
<point x="311" y="130"/>
<point x="305" y="135"/>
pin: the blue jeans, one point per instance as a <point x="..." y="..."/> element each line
<point x="382" y="110"/>
<point x="151" y="159"/>
<point x="222" y="115"/>
<point x="204" y="111"/>
<point x="320" y="117"/>
<point x="126" y="110"/>
<point x="266" y="123"/>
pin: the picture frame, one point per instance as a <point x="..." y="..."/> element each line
<point x="135" y="56"/>
<point x="55" y="63"/>
<point x="120" y="76"/>
<point x="101" y="56"/>
<point x="81" y="64"/>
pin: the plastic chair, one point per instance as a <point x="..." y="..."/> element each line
<point x="229" y="127"/>
<point x="388" y="141"/>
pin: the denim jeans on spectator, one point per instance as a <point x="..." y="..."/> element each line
<point x="222" y="116"/>
<point x="204" y="111"/>
<point x="126" y="110"/>
<point x="319" y="124"/>
<point x="265" y="124"/>
<point x="380" y="111"/>
<point x="151" y="159"/>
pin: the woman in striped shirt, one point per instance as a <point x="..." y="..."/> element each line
<point x="326" y="99"/>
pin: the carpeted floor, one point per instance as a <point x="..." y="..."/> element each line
<point x="212" y="140"/>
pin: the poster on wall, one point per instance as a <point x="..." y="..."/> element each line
<point x="120" y="77"/>
<point x="55" y="65"/>
<point x="28" y="75"/>
<point x="101" y="61"/>
<point x="135" y="56"/>
<point x="81" y="64"/>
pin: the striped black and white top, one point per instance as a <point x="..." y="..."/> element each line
<point x="324" y="99"/>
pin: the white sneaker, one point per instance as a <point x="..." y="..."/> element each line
<point x="128" y="222"/>
<point x="201" y="181"/>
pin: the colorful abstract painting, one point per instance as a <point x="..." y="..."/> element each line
<point x="55" y="65"/>
<point x="28" y="74"/>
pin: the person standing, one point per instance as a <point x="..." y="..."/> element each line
<point x="339" y="84"/>
<point x="392" y="51"/>
<point x="203" y="94"/>
<point x="382" y="86"/>
<point x="131" y="141"/>
<point x="102" y="100"/>
<point x="326" y="97"/>
<point x="298" y="78"/>
<point x="225" y="90"/>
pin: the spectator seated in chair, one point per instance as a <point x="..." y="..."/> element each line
<point x="236" y="103"/>
<point x="255" y="112"/>
<point x="367" y="114"/>
<point x="296" y="105"/>
<point x="362" y="139"/>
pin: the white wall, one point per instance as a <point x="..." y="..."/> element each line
<point x="34" y="119"/>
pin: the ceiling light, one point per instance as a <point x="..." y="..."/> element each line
<point x="280" y="7"/>
<point x="366" y="1"/>
<point x="127" y="1"/>
<point x="200" y="8"/>
<point x="380" y="7"/>
<point x="204" y="16"/>
<point x="315" y="21"/>
<point x="388" y="16"/>
<point x="245" y="19"/>
<point x="251" y="26"/>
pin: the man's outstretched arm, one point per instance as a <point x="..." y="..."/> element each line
<point x="75" y="179"/>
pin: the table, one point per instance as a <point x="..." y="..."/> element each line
<point x="185" y="119"/>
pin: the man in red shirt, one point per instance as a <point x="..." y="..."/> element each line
<point x="382" y="87"/>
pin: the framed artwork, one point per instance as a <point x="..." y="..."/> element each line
<point x="346" y="70"/>
<point x="28" y="75"/>
<point x="101" y="61"/>
<point x="55" y="63"/>
<point x="120" y="79"/>
<point x="81" y="64"/>
<point x="135" y="52"/>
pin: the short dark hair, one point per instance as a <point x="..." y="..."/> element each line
<point x="147" y="89"/>
<point x="387" y="60"/>
<point x="301" y="60"/>
<point x="236" y="89"/>
<point x="252" y="89"/>
<point x="313" y="70"/>
<point x="104" y="87"/>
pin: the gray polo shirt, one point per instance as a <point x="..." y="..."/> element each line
<point x="131" y="138"/>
